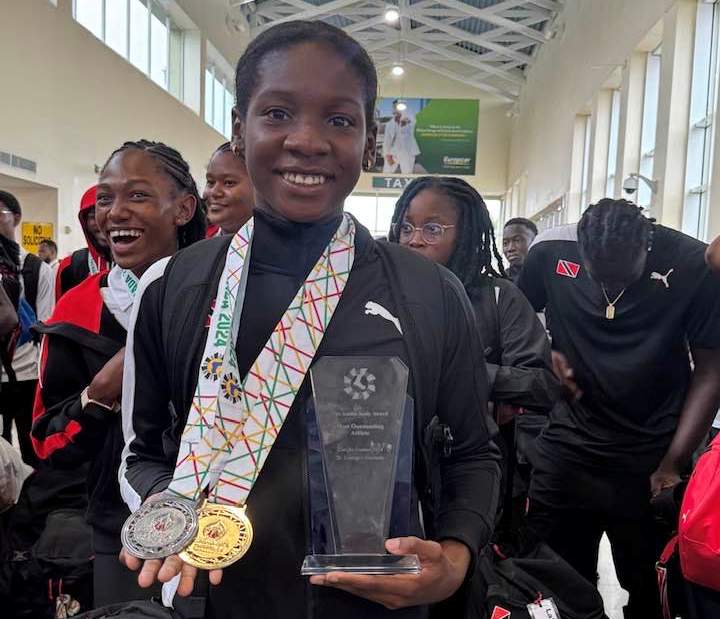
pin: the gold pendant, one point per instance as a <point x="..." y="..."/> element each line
<point x="610" y="312"/>
<point x="224" y="536"/>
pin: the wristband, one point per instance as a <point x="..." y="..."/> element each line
<point x="85" y="399"/>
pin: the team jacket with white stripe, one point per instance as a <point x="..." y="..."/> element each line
<point x="79" y="339"/>
<point x="162" y="361"/>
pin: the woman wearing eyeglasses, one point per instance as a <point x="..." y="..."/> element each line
<point x="447" y="221"/>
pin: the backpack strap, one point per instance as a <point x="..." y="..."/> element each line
<point x="661" y="571"/>
<point x="31" y="275"/>
<point x="421" y="310"/>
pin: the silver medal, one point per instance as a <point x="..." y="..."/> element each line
<point x="160" y="528"/>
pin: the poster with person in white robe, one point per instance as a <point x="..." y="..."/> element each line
<point x="426" y="136"/>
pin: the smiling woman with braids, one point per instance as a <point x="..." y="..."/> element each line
<point x="446" y="220"/>
<point x="148" y="207"/>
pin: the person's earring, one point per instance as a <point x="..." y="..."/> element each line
<point x="237" y="149"/>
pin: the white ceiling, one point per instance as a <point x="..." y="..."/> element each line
<point x="486" y="44"/>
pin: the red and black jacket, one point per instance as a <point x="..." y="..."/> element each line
<point x="79" y="339"/>
<point x="74" y="268"/>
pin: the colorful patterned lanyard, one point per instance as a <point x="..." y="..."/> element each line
<point x="231" y="427"/>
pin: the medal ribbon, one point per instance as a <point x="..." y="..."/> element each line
<point x="91" y="265"/>
<point x="231" y="427"/>
<point x="130" y="281"/>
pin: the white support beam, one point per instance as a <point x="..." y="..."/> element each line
<point x="329" y="8"/>
<point x="430" y="34"/>
<point x="367" y="23"/>
<point x="550" y="5"/>
<point x="476" y="39"/>
<point x="467" y="59"/>
<point x="493" y="18"/>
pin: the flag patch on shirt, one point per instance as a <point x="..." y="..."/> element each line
<point x="567" y="268"/>
<point x="499" y="613"/>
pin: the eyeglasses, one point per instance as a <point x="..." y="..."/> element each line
<point x="431" y="233"/>
<point x="4" y="211"/>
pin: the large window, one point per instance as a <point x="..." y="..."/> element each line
<point x="373" y="212"/>
<point x="613" y="144"/>
<point x="585" y="178"/>
<point x="142" y="32"/>
<point x="649" y="124"/>
<point x="219" y="100"/>
<point x="703" y="101"/>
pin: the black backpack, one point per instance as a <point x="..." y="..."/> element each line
<point x="535" y="575"/>
<point x="31" y="277"/>
<point x="46" y="549"/>
<point x="142" y="609"/>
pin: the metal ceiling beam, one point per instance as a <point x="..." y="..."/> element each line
<point x="467" y="59"/>
<point x="494" y="18"/>
<point x="366" y="23"/>
<point x="311" y="11"/>
<point x="476" y="39"/>
<point x="550" y="5"/>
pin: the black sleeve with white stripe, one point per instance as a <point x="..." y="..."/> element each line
<point x="146" y="467"/>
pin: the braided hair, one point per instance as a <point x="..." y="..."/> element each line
<point x="471" y="258"/>
<point x="225" y="147"/>
<point x="173" y="164"/>
<point x="613" y="234"/>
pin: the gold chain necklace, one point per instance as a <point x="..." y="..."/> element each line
<point x="610" y="309"/>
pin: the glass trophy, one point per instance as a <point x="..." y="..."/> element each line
<point x="361" y="411"/>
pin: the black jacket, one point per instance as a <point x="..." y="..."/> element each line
<point x="80" y="338"/>
<point x="517" y="348"/>
<point x="167" y="346"/>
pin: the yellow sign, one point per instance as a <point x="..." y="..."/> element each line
<point x="33" y="232"/>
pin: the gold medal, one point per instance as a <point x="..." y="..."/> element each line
<point x="224" y="536"/>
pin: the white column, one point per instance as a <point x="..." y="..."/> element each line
<point x="631" y="109"/>
<point x="673" y="112"/>
<point x="574" y="207"/>
<point x="600" y="132"/>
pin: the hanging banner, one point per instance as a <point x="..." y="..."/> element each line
<point x="426" y="136"/>
<point x="33" y="232"/>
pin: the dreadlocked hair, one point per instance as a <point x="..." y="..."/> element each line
<point x="612" y="228"/>
<point x="472" y="257"/>
<point x="173" y="164"/>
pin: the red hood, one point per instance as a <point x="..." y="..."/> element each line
<point x="99" y="255"/>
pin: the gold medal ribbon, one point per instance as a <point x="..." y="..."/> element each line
<point x="232" y="426"/>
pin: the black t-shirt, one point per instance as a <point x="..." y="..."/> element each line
<point x="634" y="370"/>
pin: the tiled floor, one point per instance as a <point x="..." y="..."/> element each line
<point x="613" y="595"/>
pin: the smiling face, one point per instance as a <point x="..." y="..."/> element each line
<point x="432" y="207"/>
<point x="94" y="230"/>
<point x="228" y="192"/>
<point x="139" y="209"/>
<point x="305" y="134"/>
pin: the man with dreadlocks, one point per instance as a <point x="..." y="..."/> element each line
<point x="446" y="220"/>
<point x="627" y="302"/>
<point x="147" y="207"/>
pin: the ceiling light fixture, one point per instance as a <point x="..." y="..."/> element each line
<point x="392" y="15"/>
<point x="398" y="70"/>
